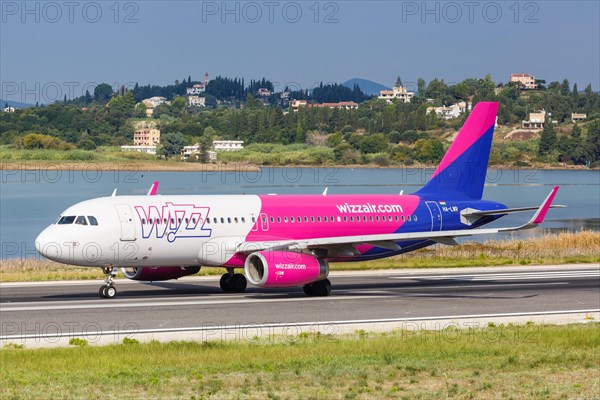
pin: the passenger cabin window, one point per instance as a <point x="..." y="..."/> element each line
<point x="93" y="220"/>
<point x="66" y="220"/>
<point x="81" y="220"/>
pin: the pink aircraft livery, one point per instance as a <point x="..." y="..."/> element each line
<point x="282" y="240"/>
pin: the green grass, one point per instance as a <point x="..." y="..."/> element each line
<point x="104" y="153"/>
<point x="278" y="154"/>
<point x="531" y="361"/>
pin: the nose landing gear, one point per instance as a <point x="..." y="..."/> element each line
<point x="108" y="291"/>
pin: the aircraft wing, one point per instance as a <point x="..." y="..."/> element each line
<point x="389" y="240"/>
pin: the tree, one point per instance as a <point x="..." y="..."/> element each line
<point x="565" y="88"/>
<point x="398" y="81"/>
<point x="428" y="150"/>
<point x="178" y="105"/>
<point x="421" y="86"/>
<point x="593" y="140"/>
<point x="86" y="144"/>
<point x="206" y="142"/>
<point x="210" y="101"/>
<point x="102" y="93"/>
<point x="140" y="110"/>
<point x="252" y="103"/>
<point x="373" y="144"/>
<point x="548" y="139"/>
<point x="172" y="144"/>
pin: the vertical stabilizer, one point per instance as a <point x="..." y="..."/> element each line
<point x="461" y="173"/>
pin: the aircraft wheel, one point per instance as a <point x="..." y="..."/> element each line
<point x="238" y="283"/>
<point x="322" y="288"/>
<point x="102" y="291"/>
<point x="110" y="292"/>
<point x="225" y="282"/>
<point x="309" y="289"/>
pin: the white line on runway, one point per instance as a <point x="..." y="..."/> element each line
<point x="190" y="301"/>
<point x="519" y="276"/>
<point x="500" y="285"/>
<point x="392" y="273"/>
<point x="8" y="307"/>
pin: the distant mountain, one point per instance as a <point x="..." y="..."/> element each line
<point x="368" y="87"/>
<point x="15" y="104"/>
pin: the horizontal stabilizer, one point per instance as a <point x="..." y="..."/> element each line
<point x="470" y="215"/>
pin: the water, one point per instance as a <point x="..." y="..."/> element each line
<point x="31" y="200"/>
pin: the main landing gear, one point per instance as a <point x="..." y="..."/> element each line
<point x="108" y="291"/>
<point x="319" y="288"/>
<point x="232" y="282"/>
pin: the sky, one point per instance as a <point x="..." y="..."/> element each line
<point x="50" y="49"/>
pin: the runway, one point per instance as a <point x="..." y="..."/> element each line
<point x="49" y="313"/>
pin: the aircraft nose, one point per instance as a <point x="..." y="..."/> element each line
<point x="47" y="246"/>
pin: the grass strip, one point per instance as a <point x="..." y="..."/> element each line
<point x="527" y="361"/>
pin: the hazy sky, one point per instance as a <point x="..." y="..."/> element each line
<point x="48" y="49"/>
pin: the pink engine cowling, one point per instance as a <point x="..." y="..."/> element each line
<point x="284" y="269"/>
<point x="154" y="274"/>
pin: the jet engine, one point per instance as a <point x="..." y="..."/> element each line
<point x="154" y="274"/>
<point x="284" y="269"/>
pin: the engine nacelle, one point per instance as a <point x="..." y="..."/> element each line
<point x="284" y="269"/>
<point x="154" y="274"/>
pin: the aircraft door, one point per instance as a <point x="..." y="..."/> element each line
<point x="127" y="222"/>
<point x="436" y="215"/>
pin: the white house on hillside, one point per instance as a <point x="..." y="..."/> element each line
<point x="398" y="92"/>
<point x="453" y="111"/>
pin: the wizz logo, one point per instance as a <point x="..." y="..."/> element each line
<point x="174" y="221"/>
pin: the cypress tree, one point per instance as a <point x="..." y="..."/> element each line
<point x="548" y="139"/>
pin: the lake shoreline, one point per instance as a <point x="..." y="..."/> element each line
<point x="167" y="166"/>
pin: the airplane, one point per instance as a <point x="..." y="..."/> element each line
<point x="283" y="240"/>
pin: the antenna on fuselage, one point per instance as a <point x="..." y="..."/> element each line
<point x="325" y="191"/>
<point x="114" y="193"/>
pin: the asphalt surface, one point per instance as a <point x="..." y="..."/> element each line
<point x="74" y="307"/>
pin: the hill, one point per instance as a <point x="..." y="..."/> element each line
<point x="368" y="87"/>
<point x="15" y="104"/>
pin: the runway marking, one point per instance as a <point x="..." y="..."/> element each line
<point x="7" y="307"/>
<point x="517" y="276"/>
<point x="500" y="285"/>
<point x="213" y="328"/>
<point x="240" y="299"/>
<point x="400" y="274"/>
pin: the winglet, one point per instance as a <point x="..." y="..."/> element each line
<point x="114" y="193"/>
<point x="153" y="189"/>
<point x="325" y="191"/>
<point x="540" y="214"/>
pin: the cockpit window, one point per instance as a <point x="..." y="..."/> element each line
<point x="66" y="220"/>
<point x="81" y="220"/>
<point x="93" y="220"/>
